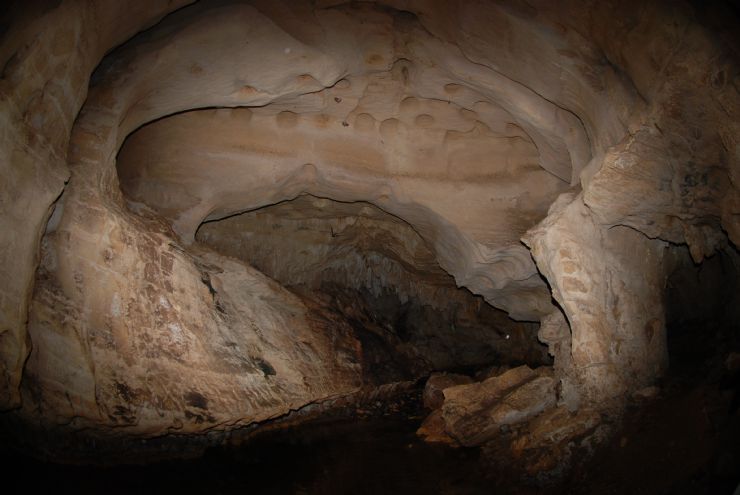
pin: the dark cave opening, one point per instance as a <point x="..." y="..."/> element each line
<point x="376" y="272"/>
<point x="703" y="311"/>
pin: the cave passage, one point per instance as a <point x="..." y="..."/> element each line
<point x="374" y="270"/>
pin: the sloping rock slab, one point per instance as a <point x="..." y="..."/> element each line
<point x="475" y="413"/>
<point x="436" y="385"/>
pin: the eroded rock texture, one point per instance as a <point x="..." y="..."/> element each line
<point x="524" y="151"/>
<point x="48" y="54"/>
<point x="381" y="275"/>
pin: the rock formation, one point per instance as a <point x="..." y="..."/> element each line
<point x="202" y="203"/>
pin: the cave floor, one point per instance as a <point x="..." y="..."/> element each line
<point x="375" y="451"/>
<point x="680" y="443"/>
<point x="685" y="440"/>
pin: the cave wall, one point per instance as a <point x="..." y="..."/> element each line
<point x="609" y="283"/>
<point x="640" y="113"/>
<point x="380" y="274"/>
<point x="671" y="178"/>
<point x="48" y="54"/>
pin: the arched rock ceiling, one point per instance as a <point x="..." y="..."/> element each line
<point x="469" y="135"/>
<point x="47" y="56"/>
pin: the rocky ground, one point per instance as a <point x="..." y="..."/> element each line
<point x="680" y="437"/>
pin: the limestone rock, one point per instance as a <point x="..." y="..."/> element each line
<point x="490" y="372"/>
<point x="432" y="430"/>
<point x="556" y="426"/>
<point x="548" y="442"/>
<point x="525" y="402"/>
<point x="436" y="385"/>
<point x="474" y="413"/>
<point x="611" y="324"/>
<point x="48" y="57"/>
<point x="373" y="263"/>
<point x="732" y="362"/>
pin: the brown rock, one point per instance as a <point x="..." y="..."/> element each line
<point x="556" y="426"/>
<point x="546" y="443"/>
<point x="732" y="362"/>
<point x="436" y="385"/>
<point x="525" y="402"/>
<point x="646" y="393"/>
<point x="490" y="372"/>
<point x="475" y="413"/>
<point x="432" y="430"/>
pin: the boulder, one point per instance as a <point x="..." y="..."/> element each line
<point x="548" y="443"/>
<point x="432" y="430"/>
<point x="437" y="383"/>
<point x="525" y="402"/>
<point x="474" y="413"/>
<point x="556" y="426"/>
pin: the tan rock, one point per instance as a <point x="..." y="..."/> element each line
<point x="432" y="430"/>
<point x="547" y="443"/>
<point x="474" y="413"/>
<point x="436" y="385"/>
<point x="525" y="402"/>
<point x="556" y="426"/>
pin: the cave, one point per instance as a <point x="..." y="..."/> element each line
<point x="388" y="246"/>
<point x="376" y="272"/>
